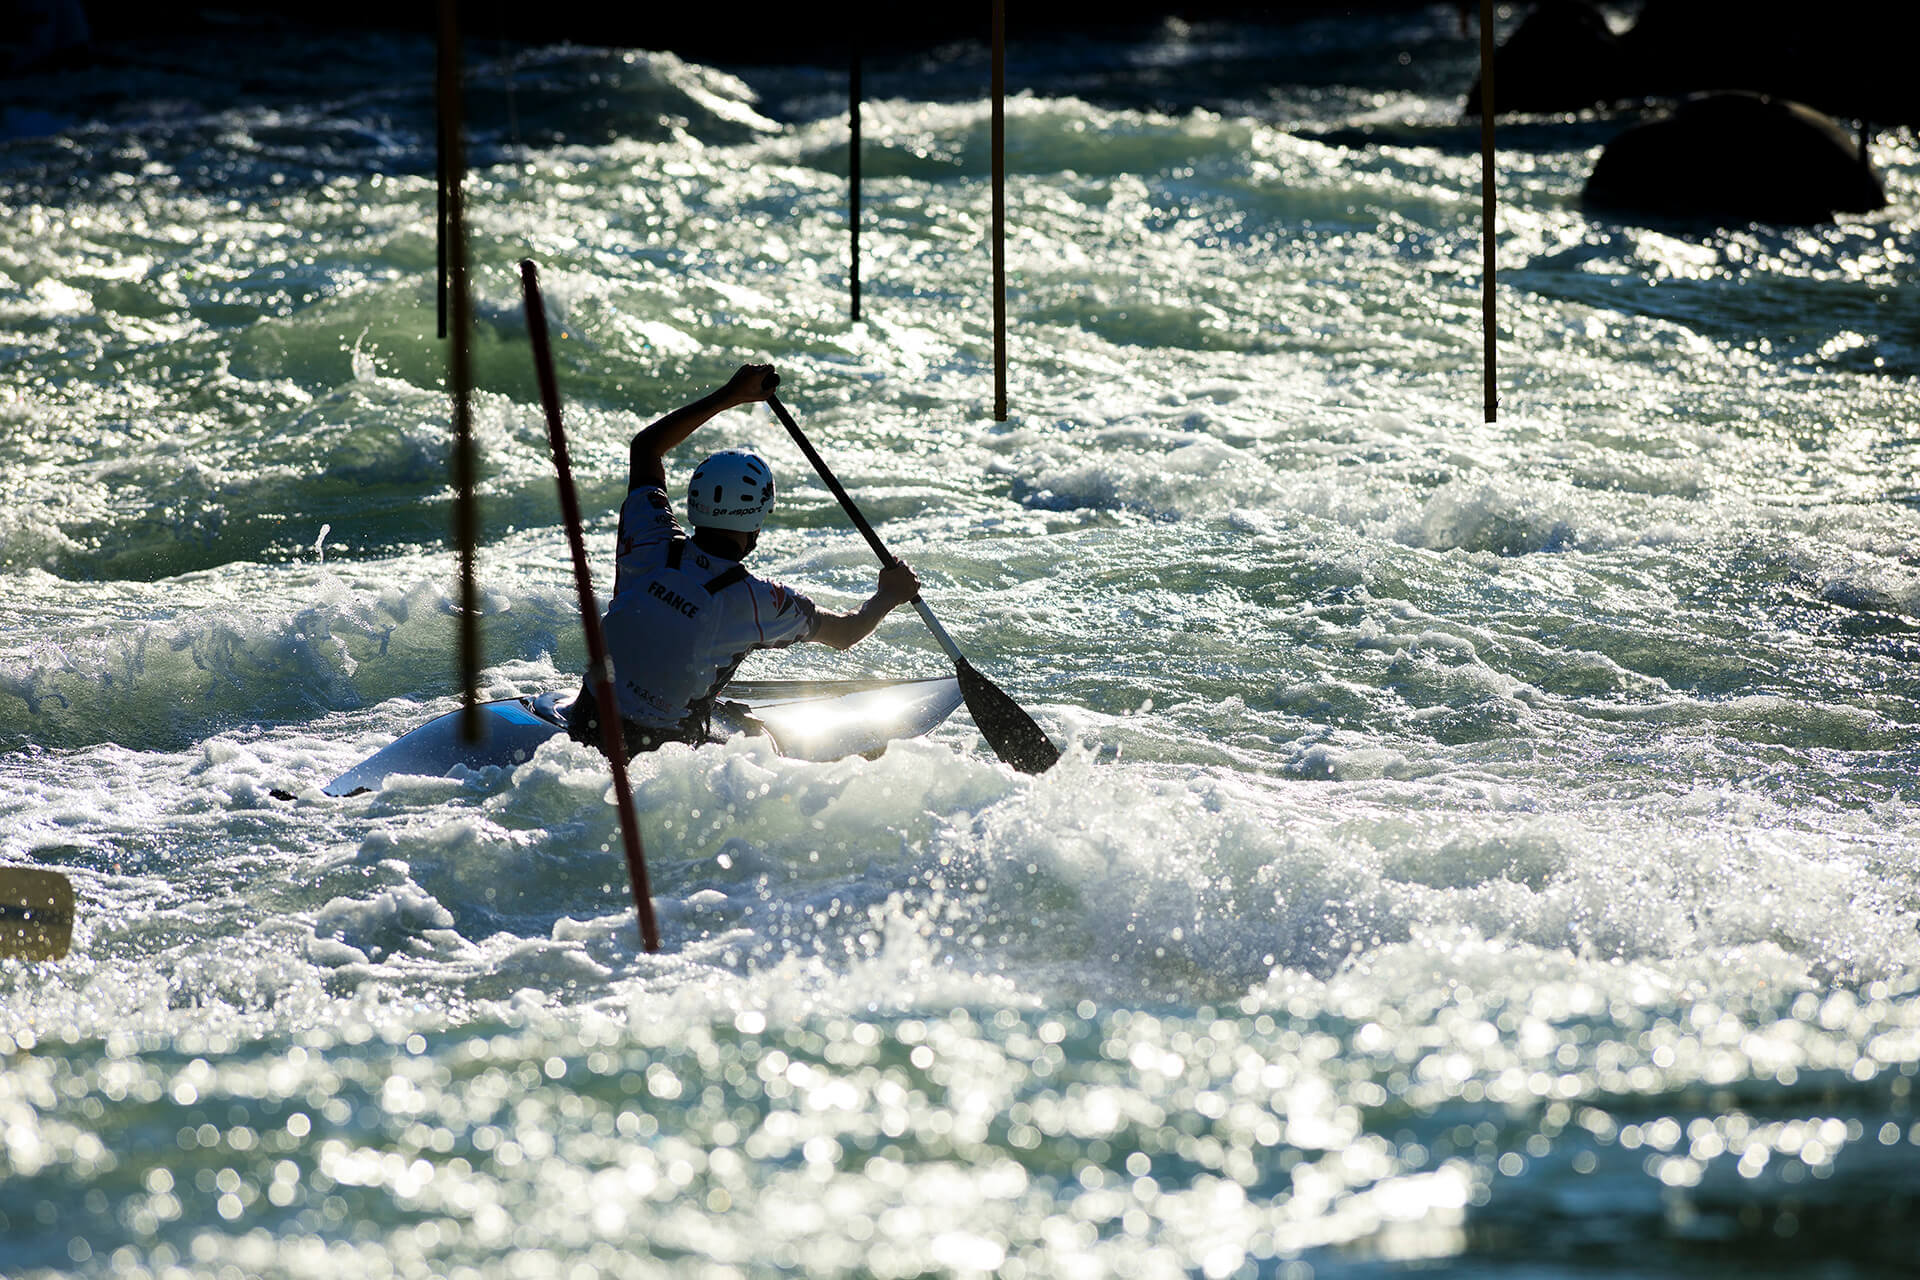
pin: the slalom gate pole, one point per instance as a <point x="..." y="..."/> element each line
<point x="466" y="511"/>
<point x="36" y="913"/>
<point x="440" y="169"/>
<point x="1489" y="355"/>
<point x="999" y="210"/>
<point x="853" y="173"/>
<point x="599" y="665"/>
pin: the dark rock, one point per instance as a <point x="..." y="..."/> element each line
<point x="1851" y="58"/>
<point x="1736" y="157"/>
<point x="1847" y="57"/>
<point x="42" y="34"/>
<point x="1562" y="57"/>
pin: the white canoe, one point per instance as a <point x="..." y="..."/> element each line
<point x="806" y="719"/>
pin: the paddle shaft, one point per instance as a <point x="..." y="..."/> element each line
<point x="887" y="560"/>
<point x="599" y="665"/>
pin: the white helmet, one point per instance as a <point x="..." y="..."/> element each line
<point x="733" y="489"/>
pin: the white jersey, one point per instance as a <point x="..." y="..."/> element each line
<point x="682" y="618"/>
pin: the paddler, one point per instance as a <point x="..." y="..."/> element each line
<point x="685" y="611"/>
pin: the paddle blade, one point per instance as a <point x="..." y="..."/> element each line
<point x="1011" y="732"/>
<point x="36" y="913"/>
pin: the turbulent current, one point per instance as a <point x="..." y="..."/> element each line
<point x="1479" y="848"/>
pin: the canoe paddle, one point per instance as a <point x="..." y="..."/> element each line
<point x="1011" y="732"/>
<point x="36" y="913"/>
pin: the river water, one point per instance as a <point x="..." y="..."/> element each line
<point x="1480" y="848"/>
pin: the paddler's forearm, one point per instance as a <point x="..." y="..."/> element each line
<point x="656" y="440"/>
<point x="749" y="383"/>
<point x="845" y="630"/>
<point x="898" y="584"/>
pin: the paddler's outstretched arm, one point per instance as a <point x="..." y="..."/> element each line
<point x="750" y="383"/>
<point x="898" y="584"/>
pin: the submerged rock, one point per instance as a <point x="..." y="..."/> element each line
<point x="1736" y="157"/>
